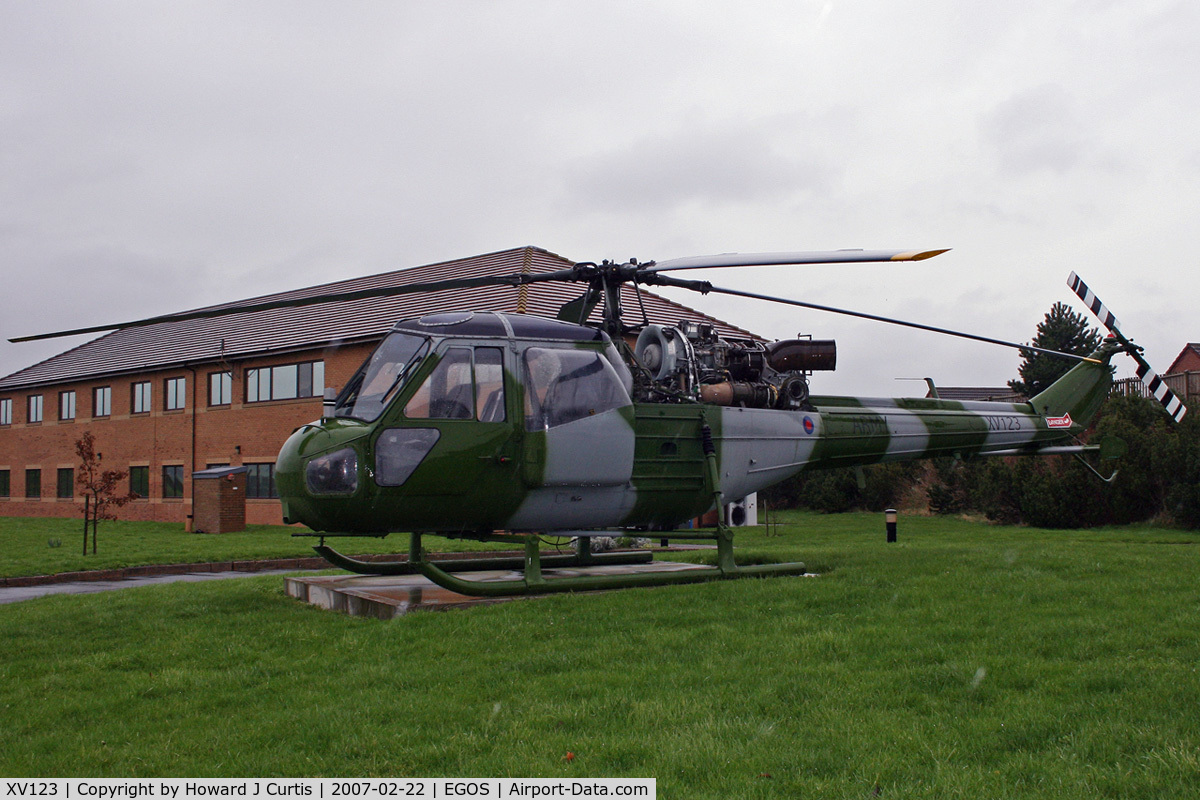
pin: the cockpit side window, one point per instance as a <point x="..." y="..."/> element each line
<point x="489" y="384"/>
<point x="459" y="388"/>
<point x="564" y="385"/>
<point x="448" y="392"/>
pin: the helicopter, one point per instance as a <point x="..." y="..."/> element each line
<point x="506" y="428"/>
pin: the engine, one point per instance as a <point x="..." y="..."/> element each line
<point x="689" y="361"/>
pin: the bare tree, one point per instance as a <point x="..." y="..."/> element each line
<point x="99" y="487"/>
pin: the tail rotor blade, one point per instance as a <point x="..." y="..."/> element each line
<point x="1146" y="374"/>
<point x="1158" y="387"/>
<point x="1089" y="298"/>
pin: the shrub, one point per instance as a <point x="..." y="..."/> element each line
<point x="837" y="490"/>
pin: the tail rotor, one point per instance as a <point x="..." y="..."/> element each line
<point x="1155" y="384"/>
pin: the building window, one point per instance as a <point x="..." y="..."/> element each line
<point x="140" y="401"/>
<point x="6" y="411"/>
<point x="66" y="484"/>
<point x="4" y="485"/>
<point x="176" y="394"/>
<point x="33" y="484"/>
<point x="220" y="388"/>
<point x="102" y="401"/>
<point x="260" y="481"/>
<point x="35" y="408"/>
<point x="285" y="382"/>
<point x="66" y="405"/>
<point x="173" y="480"/>
<point x="139" y="481"/>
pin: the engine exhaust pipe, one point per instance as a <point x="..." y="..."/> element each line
<point x="808" y="355"/>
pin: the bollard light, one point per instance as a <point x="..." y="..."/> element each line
<point x="889" y="517"/>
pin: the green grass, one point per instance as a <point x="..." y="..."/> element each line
<point x="965" y="660"/>
<point x="25" y="543"/>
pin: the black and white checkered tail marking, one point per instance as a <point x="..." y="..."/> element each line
<point x="1149" y="378"/>
<point x="1091" y="301"/>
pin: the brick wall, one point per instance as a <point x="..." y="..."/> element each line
<point x="1186" y="361"/>
<point x="235" y="434"/>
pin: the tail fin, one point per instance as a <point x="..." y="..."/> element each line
<point x="1078" y="395"/>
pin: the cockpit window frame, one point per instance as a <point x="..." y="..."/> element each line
<point x="349" y="396"/>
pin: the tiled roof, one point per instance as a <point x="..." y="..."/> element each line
<point x="241" y="335"/>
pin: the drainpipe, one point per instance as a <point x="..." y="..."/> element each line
<point x="190" y="517"/>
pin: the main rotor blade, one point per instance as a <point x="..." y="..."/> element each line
<point x="888" y="320"/>
<point x="773" y="259"/>
<point x="334" y="297"/>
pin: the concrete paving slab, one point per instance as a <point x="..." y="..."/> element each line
<point x="385" y="597"/>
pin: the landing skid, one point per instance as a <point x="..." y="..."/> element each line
<point x="478" y="564"/>
<point x="533" y="581"/>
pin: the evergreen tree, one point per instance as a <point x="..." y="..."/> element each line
<point x="1062" y="330"/>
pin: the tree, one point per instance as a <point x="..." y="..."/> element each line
<point x="1064" y="330"/>
<point x="99" y="488"/>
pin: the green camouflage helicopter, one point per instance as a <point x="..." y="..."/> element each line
<point x="507" y="427"/>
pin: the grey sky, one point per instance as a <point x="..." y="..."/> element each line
<point x="160" y="156"/>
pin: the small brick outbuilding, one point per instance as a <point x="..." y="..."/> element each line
<point x="220" y="500"/>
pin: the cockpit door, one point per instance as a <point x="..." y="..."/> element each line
<point x="455" y="434"/>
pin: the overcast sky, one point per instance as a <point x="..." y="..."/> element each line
<point x="161" y="156"/>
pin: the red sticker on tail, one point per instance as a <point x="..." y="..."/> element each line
<point x="1059" y="422"/>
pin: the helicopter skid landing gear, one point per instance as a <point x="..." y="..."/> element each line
<point x="478" y="564"/>
<point x="534" y="582"/>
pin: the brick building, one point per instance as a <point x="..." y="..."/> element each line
<point x="1183" y="376"/>
<point x="168" y="399"/>
<point x="1188" y="360"/>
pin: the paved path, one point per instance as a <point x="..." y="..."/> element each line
<point x="15" y="594"/>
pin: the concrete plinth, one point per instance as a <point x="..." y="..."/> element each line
<point x="385" y="597"/>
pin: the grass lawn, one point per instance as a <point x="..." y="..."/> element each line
<point x="966" y="660"/>
<point x="26" y="545"/>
